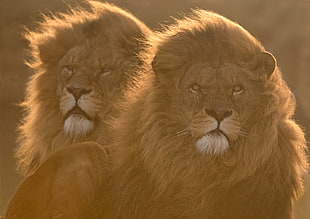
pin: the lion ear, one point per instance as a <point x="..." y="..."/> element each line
<point x="265" y="63"/>
<point x="162" y="68"/>
<point x="171" y="57"/>
<point x="50" y="47"/>
<point x="155" y="64"/>
<point x="50" y="52"/>
<point x="167" y="66"/>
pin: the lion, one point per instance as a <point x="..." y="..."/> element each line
<point x="81" y="61"/>
<point x="208" y="133"/>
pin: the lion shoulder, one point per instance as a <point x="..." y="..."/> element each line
<point x="69" y="177"/>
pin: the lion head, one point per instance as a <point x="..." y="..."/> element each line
<point x="81" y="62"/>
<point x="211" y="127"/>
<point x="219" y="79"/>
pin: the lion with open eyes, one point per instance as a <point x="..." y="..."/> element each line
<point x="208" y="134"/>
<point x="81" y="60"/>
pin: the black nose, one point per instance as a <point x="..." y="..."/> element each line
<point x="219" y="115"/>
<point x="77" y="92"/>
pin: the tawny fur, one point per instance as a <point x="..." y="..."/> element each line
<point x="160" y="173"/>
<point x="154" y="168"/>
<point x="99" y="37"/>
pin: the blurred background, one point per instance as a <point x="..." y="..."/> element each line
<point x="283" y="26"/>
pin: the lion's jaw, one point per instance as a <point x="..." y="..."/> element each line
<point x="77" y="125"/>
<point x="214" y="141"/>
<point x="78" y="114"/>
<point x="214" y="137"/>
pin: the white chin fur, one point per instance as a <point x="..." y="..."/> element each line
<point x="77" y="125"/>
<point x="212" y="144"/>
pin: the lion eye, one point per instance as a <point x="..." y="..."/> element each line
<point x="104" y="72"/>
<point x="68" y="70"/>
<point x="237" y="89"/>
<point x="195" y="88"/>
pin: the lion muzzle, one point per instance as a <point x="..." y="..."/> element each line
<point x="217" y="132"/>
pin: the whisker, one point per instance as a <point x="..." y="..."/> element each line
<point x="182" y="132"/>
<point x="243" y="133"/>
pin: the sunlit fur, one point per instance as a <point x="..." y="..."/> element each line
<point x="217" y="143"/>
<point x="77" y="125"/>
<point x="214" y="144"/>
<point x="154" y="169"/>
<point x="92" y="40"/>
<point x="163" y="169"/>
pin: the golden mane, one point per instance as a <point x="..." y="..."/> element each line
<point x="265" y="165"/>
<point x="154" y="168"/>
<point x="98" y="28"/>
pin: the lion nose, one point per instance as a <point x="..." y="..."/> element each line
<point x="77" y="92"/>
<point x="219" y="115"/>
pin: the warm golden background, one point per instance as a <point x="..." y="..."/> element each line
<point x="283" y="26"/>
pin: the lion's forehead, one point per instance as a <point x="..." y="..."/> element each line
<point x="208" y="75"/>
<point x="88" y="55"/>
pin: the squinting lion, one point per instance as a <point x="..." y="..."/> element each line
<point x="81" y="60"/>
<point x="208" y="133"/>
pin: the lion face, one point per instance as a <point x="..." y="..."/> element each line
<point x="87" y="81"/>
<point x="216" y="96"/>
<point x="217" y="104"/>
<point x="216" y="85"/>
